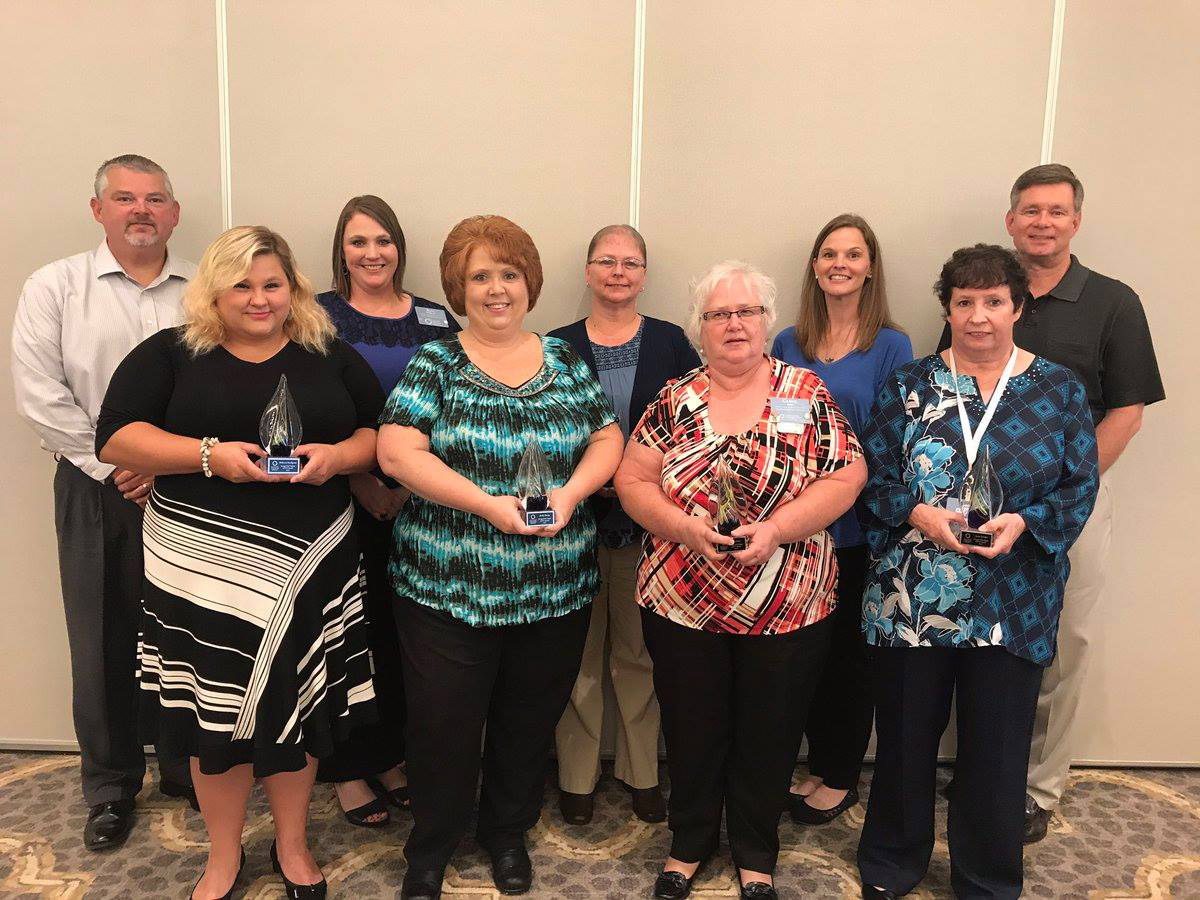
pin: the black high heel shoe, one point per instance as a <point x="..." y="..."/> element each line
<point x="228" y="893"/>
<point x="298" y="891"/>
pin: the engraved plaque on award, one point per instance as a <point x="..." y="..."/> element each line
<point x="980" y="500"/>
<point x="280" y="433"/>
<point x="728" y="518"/>
<point x="533" y="474"/>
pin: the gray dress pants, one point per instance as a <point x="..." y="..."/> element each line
<point x="100" y="563"/>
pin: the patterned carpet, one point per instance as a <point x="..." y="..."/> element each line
<point x="1120" y="834"/>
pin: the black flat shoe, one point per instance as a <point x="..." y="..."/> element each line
<point x="648" y="803"/>
<point x="359" y="815"/>
<point x="576" y="809"/>
<point x="758" y="890"/>
<point x="228" y="893"/>
<point x="874" y="893"/>
<point x="512" y="870"/>
<point x="675" y="885"/>
<point x="179" y="790"/>
<point x="810" y="815"/>
<point x="421" y="885"/>
<point x="398" y="797"/>
<point x="1037" y="822"/>
<point x="108" y="825"/>
<point x="298" y="891"/>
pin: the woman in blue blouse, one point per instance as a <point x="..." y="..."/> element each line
<point x="973" y="623"/>
<point x="633" y="356"/>
<point x="492" y="612"/>
<point x="845" y="334"/>
<point x="385" y="324"/>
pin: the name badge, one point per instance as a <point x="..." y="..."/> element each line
<point x="435" y="317"/>
<point x="790" y="414"/>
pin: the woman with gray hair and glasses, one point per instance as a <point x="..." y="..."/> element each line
<point x="734" y="471"/>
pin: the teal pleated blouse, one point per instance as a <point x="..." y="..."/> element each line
<point x="460" y="563"/>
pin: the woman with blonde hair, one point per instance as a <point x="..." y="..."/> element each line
<point x="253" y="659"/>
<point x="845" y="334"/>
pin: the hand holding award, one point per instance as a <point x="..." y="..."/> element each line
<point x="280" y="432"/>
<point x="533" y="473"/>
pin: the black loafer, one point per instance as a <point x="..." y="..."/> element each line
<point x="298" y="891"/>
<point x="179" y="790"/>
<point x="1037" y="821"/>
<point x="810" y="815"/>
<point x="675" y="885"/>
<point x="648" y="803"/>
<point x="108" y="825"/>
<point x="237" y="875"/>
<point x="758" y="890"/>
<point x="576" y="809"/>
<point x="874" y="893"/>
<point x="512" y="870"/>
<point x="425" y="885"/>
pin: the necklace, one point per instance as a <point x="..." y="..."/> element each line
<point x="835" y="349"/>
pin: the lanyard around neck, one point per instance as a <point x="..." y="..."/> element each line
<point x="972" y="440"/>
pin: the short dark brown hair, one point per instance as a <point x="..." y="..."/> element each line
<point x="982" y="266"/>
<point x="1050" y="173"/>
<point x="508" y="243"/>
<point x="377" y="209"/>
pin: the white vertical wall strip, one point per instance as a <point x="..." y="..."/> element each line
<point x="223" y="113"/>
<point x="1056" y="43"/>
<point x="639" y="71"/>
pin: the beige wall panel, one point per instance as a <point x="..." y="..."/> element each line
<point x="83" y="81"/>
<point x="761" y="127"/>
<point x="1127" y="125"/>
<point x="445" y="110"/>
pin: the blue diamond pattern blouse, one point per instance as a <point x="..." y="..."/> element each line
<point x="1043" y="448"/>
<point x="460" y="563"/>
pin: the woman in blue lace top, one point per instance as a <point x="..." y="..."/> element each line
<point x="386" y="324"/>
<point x="950" y="620"/>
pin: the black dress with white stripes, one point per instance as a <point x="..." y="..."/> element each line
<point x="252" y="647"/>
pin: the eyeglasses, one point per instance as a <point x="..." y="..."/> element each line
<point x="723" y="315"/>
<point x="607" y="262"/>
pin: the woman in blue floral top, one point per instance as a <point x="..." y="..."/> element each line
<point x="950" y="620"/>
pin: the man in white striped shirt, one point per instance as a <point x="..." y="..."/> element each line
<point x="76" y="320"/>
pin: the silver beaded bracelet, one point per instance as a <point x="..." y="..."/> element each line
<point x="206" y="445"/>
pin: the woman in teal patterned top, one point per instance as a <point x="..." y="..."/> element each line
<point x="492" y="613"/>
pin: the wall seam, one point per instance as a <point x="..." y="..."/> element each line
<point x="226" y="156"/>
<point x="639" y="72"/>
<point x="1052" y="79"/>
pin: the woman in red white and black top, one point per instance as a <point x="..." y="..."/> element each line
<point x="738" y="637"/>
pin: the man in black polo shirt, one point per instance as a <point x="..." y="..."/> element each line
<point x="1096" y="326"/>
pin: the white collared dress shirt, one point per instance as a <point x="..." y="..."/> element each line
<point x="77" y="318"/>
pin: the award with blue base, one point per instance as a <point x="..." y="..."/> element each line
<point x="280" y="433"/>
<point x="728" y="518"/>
<point x="979" y="501"/>
<point x="533" y="473"/>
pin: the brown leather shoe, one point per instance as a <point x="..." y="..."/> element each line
<point x="576" y="809"/>
<point x="648" y="803"/>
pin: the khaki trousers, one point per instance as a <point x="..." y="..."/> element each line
<point x="1050" y="754"/>
<point x="616" y="627"/>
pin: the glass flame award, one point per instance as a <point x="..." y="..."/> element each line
<point x="980" y="499"/>
<point x="728" y="518"/>
<point x="533" y="474"/>
<point x="279" y="431"/>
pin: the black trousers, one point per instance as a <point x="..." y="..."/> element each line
<point x="516" y="679"/>
<point x="379" y="746"/>
<point x="843" y="709"/>
<point x="996" y="698"/>
<point x="733" y="709"/>
<point x="100" y="563"/>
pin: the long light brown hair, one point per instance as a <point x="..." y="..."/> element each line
<point x="385" y="217"/>
<point x="224" y="264"/>
<point x="812" y="323"/>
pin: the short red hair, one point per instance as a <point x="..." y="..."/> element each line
<point x="508" y="243"/>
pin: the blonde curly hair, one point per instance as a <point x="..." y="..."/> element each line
<point x="226" y="262"/>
